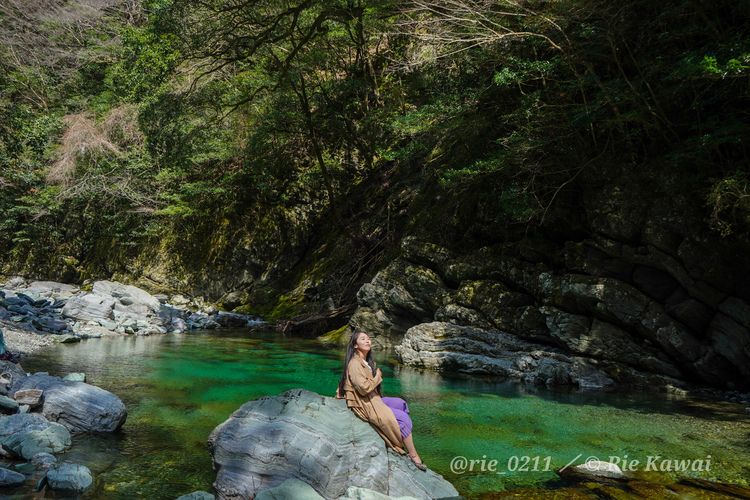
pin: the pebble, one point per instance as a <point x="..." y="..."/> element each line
<point x="24" y="340"/>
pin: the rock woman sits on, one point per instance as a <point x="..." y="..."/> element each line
<point x="360" y="386"/>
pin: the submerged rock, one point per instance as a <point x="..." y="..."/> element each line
<point x="69" y="478"/>
<point x="26" y="435"/>
<point x="78" y="406"/>
<point x="10" y="478"/>
<point x="596" y="480"/>
<point x="316" y="439"/>
<point x="67" y="339"/>
<point x="290" y="488"/>
<point x="74" y="377"/>
<point x="365" y="494"/>
<point x="44" y="460"/>
<point x="593" y="470"/>
<point x="25" y="468"/>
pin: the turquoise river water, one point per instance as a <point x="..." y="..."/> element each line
<point x="177" y="388"/>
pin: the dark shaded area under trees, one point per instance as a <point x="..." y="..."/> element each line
<point x="274" y="146"/>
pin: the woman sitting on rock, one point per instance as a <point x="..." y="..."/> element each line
<point x="360" y="386"/>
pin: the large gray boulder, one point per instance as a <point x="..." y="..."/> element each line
<point x="127" y="294"/>
<point x="78" y="406"/>
<point x="448" y="347"/>
<point x="25" y="435"/>
<point x="136" y="304"/>
<point x="58" y="289"/>
<point x="89" y="307"/>
<point x="316" y="439"/>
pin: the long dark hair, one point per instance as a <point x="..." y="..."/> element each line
<point x="350" y="353"/>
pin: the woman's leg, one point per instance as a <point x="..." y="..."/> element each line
<point x="409" y="445"/>
<point x="401" y="412"/>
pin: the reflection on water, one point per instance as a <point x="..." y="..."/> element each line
<point x="177" y="388"/>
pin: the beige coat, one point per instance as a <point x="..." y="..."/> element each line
<point x="362" y="398"/>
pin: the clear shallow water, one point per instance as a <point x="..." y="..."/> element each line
<point x="177" y="388"/>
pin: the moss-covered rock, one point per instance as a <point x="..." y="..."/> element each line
<point x="339" y="337"/>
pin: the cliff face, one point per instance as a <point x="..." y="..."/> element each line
<point x="648" y="299"/>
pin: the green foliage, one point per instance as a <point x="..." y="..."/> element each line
<point x="729" y="201"/>
<point x="486" y="165"/>
<point x="148" y="61"/>
<point x="519" y="71"/>
<point x="23" y="139"/>
<point x="208" y="117"/>
<point x="733" y="67"/>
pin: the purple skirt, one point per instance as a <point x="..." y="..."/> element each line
<point x="401" y="411"/>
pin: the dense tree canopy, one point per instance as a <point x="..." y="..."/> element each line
<point x="162" y="118"/>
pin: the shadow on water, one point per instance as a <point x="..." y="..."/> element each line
<point x="178" y="388"/>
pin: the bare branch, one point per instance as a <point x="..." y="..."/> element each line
<point x="52" y="37"/>
<point x="454" y="26"/>
<point x="81" y="138"/>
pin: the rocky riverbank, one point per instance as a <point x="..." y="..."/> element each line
<point x="39" y="416"/>
<point x="37" y="313"/>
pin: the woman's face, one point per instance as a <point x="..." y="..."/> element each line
<point x="363" y="343"/>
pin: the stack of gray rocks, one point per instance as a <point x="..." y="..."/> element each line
<point x="40" y="413"/>
<point x="108" y="307"/>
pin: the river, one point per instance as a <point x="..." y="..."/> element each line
<point x="177" y="388"/>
